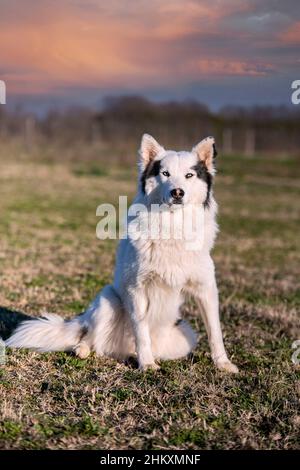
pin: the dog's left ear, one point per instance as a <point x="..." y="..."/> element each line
<point x="206" y="152"/>
<point x="150" y="149"/>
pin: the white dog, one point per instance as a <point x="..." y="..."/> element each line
<point x="140" y="312"/>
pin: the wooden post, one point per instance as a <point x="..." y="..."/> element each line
<point x="227" y="141"/>
<point x="250" y="142"/>
<point x="29" y="131"/>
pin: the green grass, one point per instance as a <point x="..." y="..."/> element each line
<point x="51" y="260"/>
<point x="90" y="170"/>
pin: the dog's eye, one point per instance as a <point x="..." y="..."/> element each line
<point x="189" y="175"/>
<point x="166" y="173"/>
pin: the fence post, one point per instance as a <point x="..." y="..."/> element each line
<point x="29" y="131"/>
<point x="227" y="141"/>
<point x="250" y="142"/>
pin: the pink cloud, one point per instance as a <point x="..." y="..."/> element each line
<point x="292" y="34"/>
<point x="117" y="44"/>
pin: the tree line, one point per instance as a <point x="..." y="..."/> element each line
<point x="122" y="120"/>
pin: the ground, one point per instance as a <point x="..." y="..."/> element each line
<point x="52" y="261"/>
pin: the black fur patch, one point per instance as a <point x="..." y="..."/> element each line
<point x="203" y="174"/>
<point x="152" y="169"/>
<point x="83" y="332"/>
<point x="215" y="154"/>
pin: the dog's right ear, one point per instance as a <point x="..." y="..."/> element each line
<point x="150" y="149"/>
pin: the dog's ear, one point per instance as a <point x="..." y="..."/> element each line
<point x="206" y="152"/>
<point x="150" y="149"/>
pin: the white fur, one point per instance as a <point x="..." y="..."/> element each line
<point x="139" y="312"/>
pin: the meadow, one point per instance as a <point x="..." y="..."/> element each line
<point x="52" y="261"/>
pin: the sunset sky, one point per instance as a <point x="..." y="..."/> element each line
<point x="67" y="52"/>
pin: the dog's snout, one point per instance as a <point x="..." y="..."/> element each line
<point x="177" y="193"/>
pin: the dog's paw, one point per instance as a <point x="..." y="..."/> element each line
<point x="82" y="350"/>
<point x="152" y="366"/>
<point x="227" y="366"/>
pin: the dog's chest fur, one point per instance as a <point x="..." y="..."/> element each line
<point x="176" y="262"/>
<point x="172" y="262"/>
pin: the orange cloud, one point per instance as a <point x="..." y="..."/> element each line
<point x="94" y="43"/>
<point x="292" y="34"/>
<point x="65" y="50"/>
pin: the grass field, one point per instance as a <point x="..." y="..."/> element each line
<point x="52" y="261"/>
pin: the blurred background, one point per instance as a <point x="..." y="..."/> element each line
<point x="116" y="128"/>
<point x="87" y="76"/>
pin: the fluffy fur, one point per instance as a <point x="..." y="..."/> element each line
<point x="140" y="312"/>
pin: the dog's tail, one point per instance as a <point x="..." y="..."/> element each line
<point x="48" y="333"/>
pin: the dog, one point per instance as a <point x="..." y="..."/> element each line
<point x="139" y="314"/>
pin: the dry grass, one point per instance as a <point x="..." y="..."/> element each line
<point x="51" y="260"/>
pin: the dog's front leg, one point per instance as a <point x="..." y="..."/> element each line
<point x="208" y="300"/>
<point x="138" y="313"/>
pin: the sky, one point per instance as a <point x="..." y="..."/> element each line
<point x="57" y="53"/>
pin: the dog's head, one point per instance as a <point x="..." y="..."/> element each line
<point x="177" y="178"/>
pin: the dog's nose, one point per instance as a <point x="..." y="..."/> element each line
<point x="177" y="193"/>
